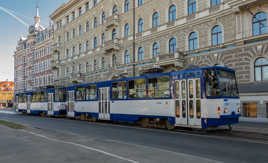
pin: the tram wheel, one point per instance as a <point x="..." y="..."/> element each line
<point x="168" y="125"/>
<point x="144" y="122"/>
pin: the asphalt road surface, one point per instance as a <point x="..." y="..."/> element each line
<point x="63" y="140"/>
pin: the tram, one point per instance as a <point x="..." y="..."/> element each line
<point x="202" y="97"/>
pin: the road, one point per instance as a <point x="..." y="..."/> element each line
<point x="64" y="140"/>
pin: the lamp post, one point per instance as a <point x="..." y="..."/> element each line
<point x="134" y="38"/>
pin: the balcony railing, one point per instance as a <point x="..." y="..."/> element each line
<point x="176" y="59"/>
<point x="112" y="45"/>
<point x="112" y="21"/>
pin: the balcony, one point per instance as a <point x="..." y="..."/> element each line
<point x="55" y="64"/>
<point x="112" y="21"/>
<point x="77" y="77"/>
<point x="176" y="59"/>
<point x="245" y="4"/>
<point x="112" y="45"/>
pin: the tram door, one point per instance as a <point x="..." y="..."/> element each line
<point x="28" y="104"/>
<point x="188" y="102"/>
<point x="70" y="111"/>
<point x="104" y="103"/>
<point x="50" y="104"/>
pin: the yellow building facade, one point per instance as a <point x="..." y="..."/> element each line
<point x="6" y="94"/>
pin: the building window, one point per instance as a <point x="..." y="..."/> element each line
<point x="73" y="33"/>
<point x="114" y="34"/>
<point x="140" y="25"/>
<point x="87" y="67"/>
<point x="95" y="65"/>
<point x="102" y="38"/>
<point x="140" y="54"/>
<point x="126" y="33"/>
<point x="261" y="69"/>
<point x="80" y="48"/>
<point x="95" y="3"/>
<point x="67" y="19"/>
<point x="250" y="110"/>
<point x="80" y="11"/>
<point x="95" y="22"/>
<point x="80" y="68"/>
<point x="155" y="49"/>
<point x="214" y="2"/>
<point x="216" y="35"/>
<point x="95" y="42"/>
<point x="114" y="60"/>
<point x="259" y="24"/>
<point x="80" y="30"/>
<point x="266" y="110"/>
<point x="73" y="52"/>
<point x="140" y="2"/>
<point x="172" y="13"/>
<point x="155" y="19"/>
<point x="87" y="26"/>
<point x="87" y="6"/>
<point x="115" y="9"/>
<point x="87" y="46"/>
<point x="73" y="15"/>
<point x="103" y="17"/>
<point x="67" y="53"/>
<point x="191" y="7"/>
<point x="193" y="44"/>
<point x="67" y="36"/>
<point x="127" y="57"/>
<point x="126" y="6"/>
<point x="172" y="45"/>
<point x="102" y="63"/>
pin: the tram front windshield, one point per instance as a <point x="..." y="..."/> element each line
<point x="221" y="83"/>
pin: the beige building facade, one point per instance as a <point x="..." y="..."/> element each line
<point x="94" y="41"/>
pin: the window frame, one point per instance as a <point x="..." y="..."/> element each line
<point x="259" y="22"/>
<point x="261" y="69"/>
<point x="217" y="34"/>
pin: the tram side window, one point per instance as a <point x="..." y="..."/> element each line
<point x="137" y="88"/>
<point x="43" y="96"/>
<point x="212" y="83"/>
<point x="80" y="93"/>
<point x="60" y="95"/>
<point x="159" y="87"/>
<point x="36" y="97"/>
<point x="119" y="90"/>
<point x="91" y="92"/>
<point x="22" y="98"/>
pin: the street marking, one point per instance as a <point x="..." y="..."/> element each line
<point x="164" y="150"/>
<point x="83" y="146"/>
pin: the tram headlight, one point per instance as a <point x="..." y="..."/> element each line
<point x="239" y="110"/>
<point x="219" y="110"/>
<point x="226" y="110"/>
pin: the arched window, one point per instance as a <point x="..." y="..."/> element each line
<point x="95" y="65"/>
<point x="261" y="69"/>
<point x="191" y="7"/>
<point x="114" y="60"/>
<point x="126" y="33"/>
<point x="140" y="25"/>
<point x="94" y="3"/>
<point x="193" y="43"/>
<point x="102" y="38"/>
<point x="140" y="54"/>
<point x="87" y="26"/>
<point x="172" y="45"/>
<point x="87" y="45"/>
<point x="115" y="9"/>
<point x="80" y="30"/>
<point x="87" y="67"/>
<point x="172" y="13"/>
<point x="95" y="42"/>
<point x="155" y="49"/>
<point x="259" y="24"/>
<point x="126" y="57"/>
<point x="102" y="63"/>
<point x="95" y="22"/>
<point x="114" y="34"/>
<point x="73" y="51"/>
<point x="155" y="19"/>
<point x="214" y="2"/>
<point x="126" y="6"/>
<point x="80" y="48"/>
<point x="140" y="2"/>
<point x="80" y="68"/>
<point x="103" y="17"/>
<point x="216" y="35"/>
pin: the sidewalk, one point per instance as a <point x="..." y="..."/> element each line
<point x="253" y="127"/>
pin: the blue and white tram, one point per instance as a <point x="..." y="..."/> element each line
<point x="197" y="98"/>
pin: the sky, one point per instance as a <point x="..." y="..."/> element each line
<point x="11" y="29"/>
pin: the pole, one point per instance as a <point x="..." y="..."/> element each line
<point x="134" y="38"/>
